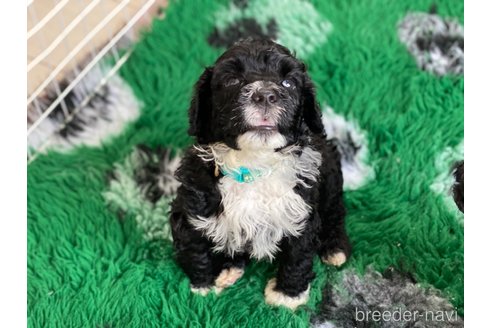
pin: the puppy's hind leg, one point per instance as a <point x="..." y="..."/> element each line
<point x="335" y="246"/>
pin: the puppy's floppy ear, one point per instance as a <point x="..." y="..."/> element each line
<point x="200" y="112"/>
<point x="311" y="112"/>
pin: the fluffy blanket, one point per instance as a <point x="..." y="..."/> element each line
<point x="389" y="77"/>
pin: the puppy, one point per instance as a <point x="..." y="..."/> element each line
<point x="262" y="181"/>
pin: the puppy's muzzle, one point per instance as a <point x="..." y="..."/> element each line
<point x="261" y="107"/>
<point x="264" y="97"/>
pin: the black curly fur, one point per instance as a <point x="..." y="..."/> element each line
<point x="211" y="120"/>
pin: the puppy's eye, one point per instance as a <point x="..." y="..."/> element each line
<point x="287" y="83"/>
<point x="231" y="82"/>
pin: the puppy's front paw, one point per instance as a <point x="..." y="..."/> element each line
<point x="227" y="278"/>
<point x="277" y="298"/>
<point x="337" y="258"/>
<point x="200" y="290"/>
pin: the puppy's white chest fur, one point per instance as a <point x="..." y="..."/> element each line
<point x="257" y="215"/>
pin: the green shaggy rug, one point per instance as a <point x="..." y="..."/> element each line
<point x="389" y="77"/>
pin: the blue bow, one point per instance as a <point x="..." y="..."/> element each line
<point x="241" y="174"/>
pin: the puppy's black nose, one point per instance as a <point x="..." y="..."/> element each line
<point x="264" y="97"/>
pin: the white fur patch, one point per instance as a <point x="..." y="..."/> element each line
<point x="257" y="215"/>
<point x="277" y="298"/>
<point x="252" y="140"/>
<point x="227" y="278"/>
<point x="203" y="291"/>
<point x="336" y="259"/>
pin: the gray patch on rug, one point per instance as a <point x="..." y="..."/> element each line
<point x="436" y="43"/>
<point x="352" y="144"/>
<point x="155" y="174"/>
<point x="296" y="24"/>
<point x="348" y="303"/>
<point x="243" y="28"/>
<point x="142" y="187"/>
<point x="97" y="112"/>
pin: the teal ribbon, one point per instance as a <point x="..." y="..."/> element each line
<point x="241" y="174"/>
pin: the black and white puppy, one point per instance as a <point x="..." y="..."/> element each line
<point x="262" y="180"/>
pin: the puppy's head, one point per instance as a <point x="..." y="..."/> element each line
<point x="257" y="95"/>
